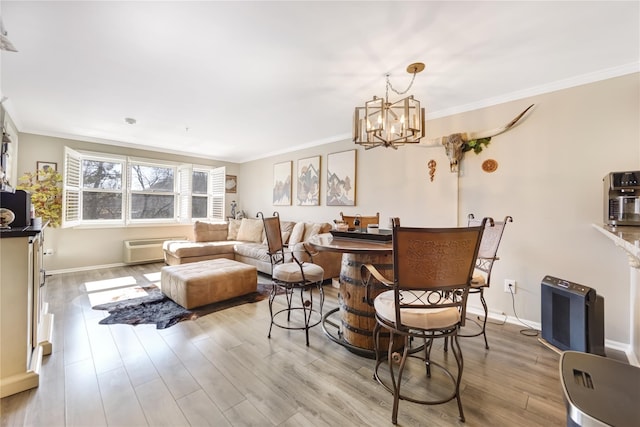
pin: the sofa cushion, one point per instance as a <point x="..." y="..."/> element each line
<point x="207" y="231"/>
<point x="234" y="226"/>
<point x="250" y="230"/>
<point x="257" y="251"/>
<point x="186" y="249"/>
<point x="253" y="250"/>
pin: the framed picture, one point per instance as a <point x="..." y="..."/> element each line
<point x="341" y="178"/>
<point x="282" y="184"/>
<point x="46" y="166"/>
<point x="231" y="183"/>
<point x="308" y="185"/>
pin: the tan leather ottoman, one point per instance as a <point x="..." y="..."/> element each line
<point x="205" y="282"/>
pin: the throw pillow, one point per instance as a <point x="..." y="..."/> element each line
<point x="286" y="226"/>
<point x="285" y="235"/>
<point x="296" y="234"/>
<point x="209" y="232"/>
<point x="311" y="229"/>
<point x="250" y="230"/>
<point x="234" y="226"/>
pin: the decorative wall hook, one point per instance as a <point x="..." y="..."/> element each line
<point x="432" y="169"/>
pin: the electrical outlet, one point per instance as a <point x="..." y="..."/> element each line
<point x="510" y="285"/>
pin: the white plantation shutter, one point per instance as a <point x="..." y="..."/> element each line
<point x="71" y="188"/>
<point x="185" y="173"/>
<point x="218" y="176"/>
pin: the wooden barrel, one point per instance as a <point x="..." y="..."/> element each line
<point x="358" y="317"/>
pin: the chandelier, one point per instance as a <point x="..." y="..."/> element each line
<point x="382" y="123"/>
<point x="5" y="44"/>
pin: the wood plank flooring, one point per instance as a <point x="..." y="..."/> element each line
<point x="222" y="370"/>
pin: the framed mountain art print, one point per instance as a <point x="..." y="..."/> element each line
<point x="308" y="182"/>
<point x="341" y="178"/>
<point x="282" y="184"/>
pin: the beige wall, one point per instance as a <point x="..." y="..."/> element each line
<point x="549" y="179"/>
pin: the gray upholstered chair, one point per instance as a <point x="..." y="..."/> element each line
<point x="289" y="274"/>
<point x="426" y="300"/>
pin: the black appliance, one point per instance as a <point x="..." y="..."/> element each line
<point x="19" y="202"/>
<point x="572" y="316"/>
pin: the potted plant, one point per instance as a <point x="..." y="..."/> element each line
<point x="46" y="194"/>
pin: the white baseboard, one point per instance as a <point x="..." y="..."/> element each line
<point x="503" y="318"/>
<point x="92" y="267"/>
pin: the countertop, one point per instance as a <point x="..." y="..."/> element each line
<point x="19" y="232"/>
<point x="625" y="236"/>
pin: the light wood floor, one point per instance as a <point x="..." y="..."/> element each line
<point x="222" y="370"/>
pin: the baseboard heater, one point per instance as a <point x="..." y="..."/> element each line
<point x="139" y="251"/>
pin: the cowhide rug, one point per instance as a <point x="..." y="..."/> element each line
<point x="157" y="308"/>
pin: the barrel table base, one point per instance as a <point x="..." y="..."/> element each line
<point x="332" y="327"/>
<point x="351" y="325"/>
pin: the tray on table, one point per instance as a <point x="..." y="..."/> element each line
<point x="381" y="236"/>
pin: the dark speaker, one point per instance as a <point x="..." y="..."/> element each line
<point x="20" y="204"/>
<point x="572" y="316"/>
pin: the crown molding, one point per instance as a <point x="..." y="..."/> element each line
<point x="580" y="80"/>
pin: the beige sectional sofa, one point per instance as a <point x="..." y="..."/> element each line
<point x="245" y="241"/>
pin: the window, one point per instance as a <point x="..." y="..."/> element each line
<point x="102" y="190"/>
<point x="199" y="193"/>
<point x="109" y="189"/>
<point x="152" y="191"/>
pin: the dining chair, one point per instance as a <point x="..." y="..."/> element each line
<point x="432" y="270"/>
<point x="487" y="256"/>
<point x="290" y="274"/>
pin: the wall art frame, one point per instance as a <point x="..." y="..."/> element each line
<point x="308" y="182"/>
<point x="341" y="178"/>
<point x="282" y="183"/>
<point x="45" y="166"/>
<point x="231" y="184"/>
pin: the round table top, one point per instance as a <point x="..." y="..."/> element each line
<point x="326" y="242"/>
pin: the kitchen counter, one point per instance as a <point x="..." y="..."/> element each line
<point x="626" y="237"/>
<point x="19" y="232"/>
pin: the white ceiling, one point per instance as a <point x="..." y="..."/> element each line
<point x="240" y="80"/>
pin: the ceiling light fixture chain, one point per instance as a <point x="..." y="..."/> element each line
<point x="387" y="124"/>
<point x="390" y="86"/>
